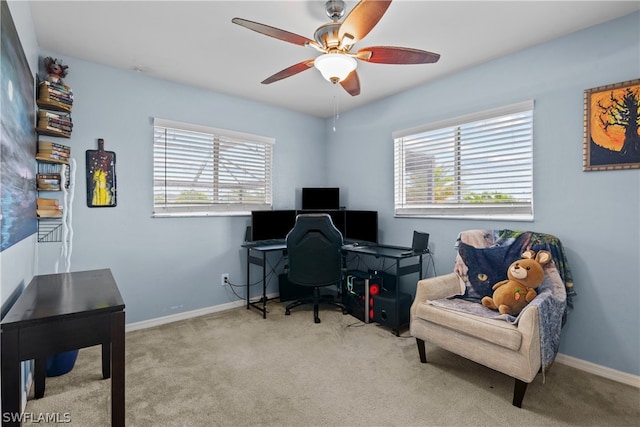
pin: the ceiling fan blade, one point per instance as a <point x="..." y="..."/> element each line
<point x="352" y="84"/>
<point x="290" y="71"/>
<point x="274" y="32"/>
<point x="362" y="18"/>
<point x="396" y="55"/>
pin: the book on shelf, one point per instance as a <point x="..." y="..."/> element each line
<point x="48" y="182"/>
<point x="53" y="105"/>
<point x="55" y="122"/>
<point x="54" y="151"/>
<point x="59" y="92"/>
<point x="50" y="157"/>
<point x="57" y="86"/>
<point x="60" y="98"/>
<point x="48" y="96"/>
<point x="49" y="145"/>
<point x="52" y="131"/>
<point x="53" y="125"/>
<point x="57" y="153"/>
<point x="48" y="208"/>
<point x="42" y="114"/>
<point x="47" y="121"/>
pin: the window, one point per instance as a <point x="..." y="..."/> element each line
<point x="477" y="166"/>
<point x="205" y="171"/>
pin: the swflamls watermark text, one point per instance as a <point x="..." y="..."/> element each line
<point x="36" y="417"/>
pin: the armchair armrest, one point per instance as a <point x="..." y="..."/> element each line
<point x="439" y="287"/>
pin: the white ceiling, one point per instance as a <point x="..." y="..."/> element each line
<point x="195" y="43"/>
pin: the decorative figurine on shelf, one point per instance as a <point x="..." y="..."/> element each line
<point x="55" y="69"/>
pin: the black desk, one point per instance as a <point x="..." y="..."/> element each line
<point x="260" y="261"/>
<point x="58" y="313"/>
<point x="257" y="255"/>
<point x="399" y="254"/>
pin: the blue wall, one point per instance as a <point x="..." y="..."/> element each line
<point x="595" y="214"/>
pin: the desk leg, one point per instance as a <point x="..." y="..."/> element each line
<point x="397" y="302"/>
<point x="106" y="360"/>
<point x="264" y="285"/>
<point x="10" y="379"/>
<point x="248" y="277"/>
<point x="117" y="369"/>
<point x="40" y="376"/>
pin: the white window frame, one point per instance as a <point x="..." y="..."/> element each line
<point x="450" y="140"/>
<point x="221" y="167"/>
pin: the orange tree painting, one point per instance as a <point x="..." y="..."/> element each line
<point x="612" y="126"/>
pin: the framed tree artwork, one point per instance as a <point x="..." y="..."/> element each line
<point x="612" y="126"/>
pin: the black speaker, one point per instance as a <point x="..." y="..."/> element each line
<point x="384" y="309"/>
<point x="290" y="291"/>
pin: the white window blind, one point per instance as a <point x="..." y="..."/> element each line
<point x="476" y="166"/>
<point x="199" y="170"/>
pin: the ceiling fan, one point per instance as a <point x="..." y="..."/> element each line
<point x="336" y="39"/>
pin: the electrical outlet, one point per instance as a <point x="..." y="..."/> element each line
<point x="224" y="279"/>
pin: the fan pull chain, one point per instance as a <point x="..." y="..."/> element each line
<point x="336" y="113"/>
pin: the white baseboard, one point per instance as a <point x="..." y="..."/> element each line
<point x="583" y="365"/>
<point x="602" y="371"/>
<point x="144" y="324"/>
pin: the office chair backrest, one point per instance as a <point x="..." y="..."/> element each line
<point x="314" y="247"/>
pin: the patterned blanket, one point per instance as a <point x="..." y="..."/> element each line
<point x="482" y="260"/>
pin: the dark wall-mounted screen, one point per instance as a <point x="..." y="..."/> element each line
<point x="361" y="226"/>
<point x="269" y="225"/>
<point x="320" y="198"/>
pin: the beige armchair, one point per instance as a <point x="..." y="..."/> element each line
<point x="511" y="346"/>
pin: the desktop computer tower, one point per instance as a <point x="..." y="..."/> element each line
<point x="384" y="309"/>
<point x="388" y="280"/>
<point x="359" y="289"/>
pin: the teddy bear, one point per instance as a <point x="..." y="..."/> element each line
<point x="512" y="295"/>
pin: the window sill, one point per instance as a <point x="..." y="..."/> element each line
<point x="200" y="214"/>
<point x="518" y="218"/>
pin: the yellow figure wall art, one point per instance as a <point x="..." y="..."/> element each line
<point x="101" y="177"/>
<point x="101" y="196"/>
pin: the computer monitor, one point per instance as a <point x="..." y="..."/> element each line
<point x="320" y="198"/>
<point x="337" y="217"/>
<point x="361" y="226"/>
<point x="420" y="242"/>
<point x="270" y="225"/>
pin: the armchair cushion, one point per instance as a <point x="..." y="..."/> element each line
<point x="494" y="331"/>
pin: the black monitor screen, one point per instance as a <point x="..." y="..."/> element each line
<point x="361" y="226"/>
<point x="269" y="225"/>
<point x="320" y="198"/>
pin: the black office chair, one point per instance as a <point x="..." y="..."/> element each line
<point x="314" y="246"/>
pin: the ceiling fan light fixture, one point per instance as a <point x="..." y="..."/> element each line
<point x="335" y="67"/>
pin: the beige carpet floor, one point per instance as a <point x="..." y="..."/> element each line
<point x="236" y="369"/>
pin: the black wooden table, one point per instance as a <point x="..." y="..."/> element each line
<point x="58" y="313"/>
